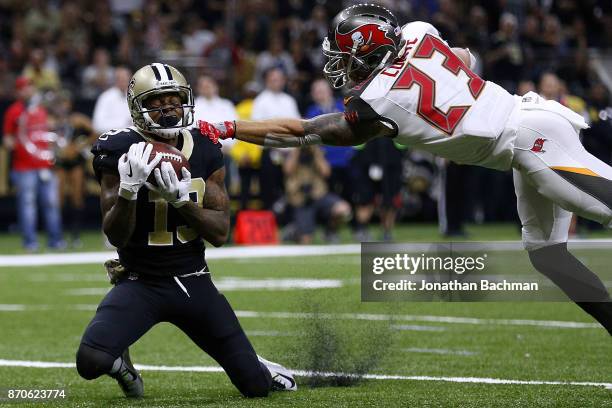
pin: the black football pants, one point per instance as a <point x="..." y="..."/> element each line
<point x="132" y="307"/>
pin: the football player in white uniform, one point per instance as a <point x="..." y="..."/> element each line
<point x="408" y="84"/>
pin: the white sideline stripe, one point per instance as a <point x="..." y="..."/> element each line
<point x="229" y="284"/>
<point x="414" y="327"/>
<point x="22" y="308"/>
<point x="422" y="318"/>
<point x="350" y="316"/>
<point x="270" y="333"/>
<point x="266" y="251"/>
<point x="301" y="373"/>
<point x="211" y="253"/>
<point x="440" y="351"/>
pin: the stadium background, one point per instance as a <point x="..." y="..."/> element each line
<point x="62" y="45"/>
<point x="301" y="305"/>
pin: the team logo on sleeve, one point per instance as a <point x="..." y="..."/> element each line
<point x="538" y="145"/>
<point x="351" y="117"/>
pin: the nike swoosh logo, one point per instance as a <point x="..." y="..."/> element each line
<point x="130" y="172"/>
<point x="286" y="378"/>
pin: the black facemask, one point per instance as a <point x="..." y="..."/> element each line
<point x="168" y="120"/>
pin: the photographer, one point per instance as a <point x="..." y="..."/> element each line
<point x="306" y="172"/>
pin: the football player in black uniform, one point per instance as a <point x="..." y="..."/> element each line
<point x="161" y="275"/>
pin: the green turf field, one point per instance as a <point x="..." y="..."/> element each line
<point x="44" y="309"/>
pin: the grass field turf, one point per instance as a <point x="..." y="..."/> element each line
<point x="50" y="326"/>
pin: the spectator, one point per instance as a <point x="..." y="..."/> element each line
<point x="274" y="57"/>
<point x="306" y="171"/>
<point x="41" y="72"/>
<point x="77" y="135"/>
<point x="252" y="32"/>
<point x="223" y="53"/>
<point x="247" y="156"/>
<point x="304" y="70"/>
<point x="273" y="102"/>
<point x="378" y="166"/>
<point x="339" y="157"/>
<point x="269" y="104"/>
<point x="26" y="135"/>
<point x="524" y="86"/>
<point x="98" y="76"/>
<point x="196" y="37"/>
<point x="505" y="58"/>
<point x="598" y="138"/>
<point x="209" y="106"/>
<point x="103" y="33"/>
<point x="551" y="87"/>
<point x="111" y="110"/>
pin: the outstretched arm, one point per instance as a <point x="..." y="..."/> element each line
<point x="330" y="129"/>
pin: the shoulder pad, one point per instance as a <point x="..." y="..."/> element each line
<point x="110" y="146"/>
<point x="420" y="27"/>
<point x="118" y="140"/>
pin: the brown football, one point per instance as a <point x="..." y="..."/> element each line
<point x="171" y="155"/>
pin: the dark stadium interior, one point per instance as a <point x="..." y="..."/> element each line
<point x="560" y="48"/>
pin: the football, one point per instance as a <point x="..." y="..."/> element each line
<point x="171" y="155"/>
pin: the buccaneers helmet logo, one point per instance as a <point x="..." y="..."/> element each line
<point x="375" y="34"/>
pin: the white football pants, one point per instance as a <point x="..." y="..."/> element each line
<point x="554" y="175"/>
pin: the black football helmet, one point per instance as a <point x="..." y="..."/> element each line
<point x="362" y="39"/>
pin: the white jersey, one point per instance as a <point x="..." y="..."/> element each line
<point x="437" y="104"/>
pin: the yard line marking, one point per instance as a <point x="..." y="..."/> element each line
<point x="67" y="277"/>
<point x="231" y="283"/>
<point x="275" y="284"/>
<point x="35" y="364"/>
<point x="302" y="373"/>
<point x="87" y="291"/>
<point x="12" y="308"/>
<point x="440" y="351"/>
<point x="22" y="308"/>
<point x="267" y="251"/>
<point x="414" y="327"/>
<point x="348" y="316"/>
<point x="270" y="333"/>
<point x="421" y="318"/>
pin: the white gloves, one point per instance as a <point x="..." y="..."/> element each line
<point x="134" y="169"/>
<point x="169" y="187"/>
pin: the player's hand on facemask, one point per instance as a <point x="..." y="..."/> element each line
<point x="216" y="131"/>
<point x="169" y="187"/>
<point x="134" y="169"/>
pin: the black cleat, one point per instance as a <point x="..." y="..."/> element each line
<point x="128" y="378"/>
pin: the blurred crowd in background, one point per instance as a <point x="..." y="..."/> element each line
<point x="65" y="67"/>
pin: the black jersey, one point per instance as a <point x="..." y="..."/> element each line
<point x="162" y="242"/>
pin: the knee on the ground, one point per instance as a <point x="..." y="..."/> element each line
<point x="92" y="363"/>
<point x="248" y="375"/>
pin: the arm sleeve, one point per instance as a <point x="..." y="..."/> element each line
<point x="358" y="112"/>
